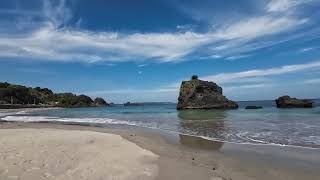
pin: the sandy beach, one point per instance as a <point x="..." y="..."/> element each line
<point x="57" y="151"/>
<point x="61" y="154"/>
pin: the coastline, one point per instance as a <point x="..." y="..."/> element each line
<point x="24" y="106"/>
<point x="198" y="158"/>
<point x="7" y="112"/>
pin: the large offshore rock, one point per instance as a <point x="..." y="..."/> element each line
<point x="289" y="102"/>
<point x="198" y="94"/>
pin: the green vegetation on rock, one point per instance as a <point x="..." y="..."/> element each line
<point x="17" y="94"/>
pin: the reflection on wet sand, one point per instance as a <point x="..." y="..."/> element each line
<point x="198" y="114"/>
<point x="200" y="143"/>
<point x="209" y="123"/>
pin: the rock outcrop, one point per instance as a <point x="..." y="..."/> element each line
<point x="69" y="100"/>
<point x="18" y="96"/>
<point x="289" y="102"/>
<point x="198" y="94"/>
<point x="100" y="102"/>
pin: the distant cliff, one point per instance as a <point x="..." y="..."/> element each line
<point x="198" y="94"/>
<point x="18" y="94"/>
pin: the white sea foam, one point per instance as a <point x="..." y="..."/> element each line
<point x="10" y="112"/>
<point x="29" y="118"/>
<point x="4" y="114"/>
<point x="241" y="135"/>
<point x="22" y="112"/>
<point x="79" y="120"/>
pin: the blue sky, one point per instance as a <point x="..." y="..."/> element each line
<point x="125" y="50"/>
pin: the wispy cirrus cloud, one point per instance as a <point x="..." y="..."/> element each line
<point x="284" y="5"/>
<point x="258" y="26"/>
<point x="229" y="89"/>
<point x="253" y="77"/>
<point x="72" y="45"/>
<point x="256" y="73"/>
<point x="54" y="40"/>
<point x="58" y="14"/>
<point x="307" y="49"/>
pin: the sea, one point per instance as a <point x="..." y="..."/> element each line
<point x="270" y="125"/>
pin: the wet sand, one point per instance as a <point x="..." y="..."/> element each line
<point x="187" y="157"/>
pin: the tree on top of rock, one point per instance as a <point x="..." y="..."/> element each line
<point x="194" y="77"/>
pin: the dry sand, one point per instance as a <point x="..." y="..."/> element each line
<point x="32" y="154"/>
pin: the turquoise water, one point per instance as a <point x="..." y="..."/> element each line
<point x="297" y="127"/>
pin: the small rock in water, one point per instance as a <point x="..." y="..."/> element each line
<point x="253" y="107"/>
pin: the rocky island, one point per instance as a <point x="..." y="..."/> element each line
<point x="289" y="102"/>
<point x="18" y="96"/>
<point x="198" y="94"/>
<point x="100" y="102"/>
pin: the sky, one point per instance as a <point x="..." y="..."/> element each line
<point x="141" y="50"/>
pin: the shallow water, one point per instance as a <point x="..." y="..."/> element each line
<point x="296" y="127"/>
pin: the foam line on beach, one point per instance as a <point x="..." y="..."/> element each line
<point x="12" y="118"/>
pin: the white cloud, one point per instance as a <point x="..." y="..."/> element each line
<point x="67" y="45"/>
<point x="254" y="76"/>
<point x="312" y="81"/>
<point x="276" y="6"/>
<point x="258" y="26"/>
<point x="234" y="77"/>
<point x="142" y="65"/>
<point x="59" y="14"/>
<point x="306" y="49"/>
<point x="228" y="89"/>
<point x="53" y="40"/>
<point x="231" y="58"/>
<point x="71" y="45"/>
<point x="284" y="5"/>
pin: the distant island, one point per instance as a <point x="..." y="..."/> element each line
<point x="132" y="104"/>
<point x="18" y="96"/>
